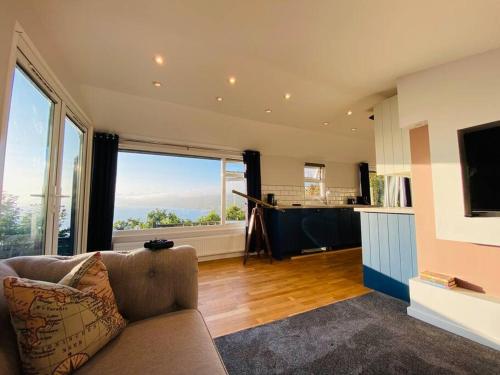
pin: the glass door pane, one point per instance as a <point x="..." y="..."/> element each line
<point x="23" y="209"/>
<point x="70" y="186"/>
<point x="236" y="206"/>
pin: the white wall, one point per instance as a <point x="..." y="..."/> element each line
<point x="344" y="175"/>
<point x="139" y="117"/>
<point x="450" y="97"/>
<point x="284" y="149"/>
<point x="281" y="170"/>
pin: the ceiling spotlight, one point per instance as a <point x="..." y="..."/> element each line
<point x="268" y="110"/>
<point x="349" y="113"/>
<point x="326" y="123"/>
<point x="159" y="60"/>
<point x="354" y="129"/>
<point x="156" y="83"/>
<point x="232" y="80"/>
<point x="219" y="98"/>
<point x="287" y="96"/>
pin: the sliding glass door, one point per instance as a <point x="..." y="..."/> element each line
<point x="69" y="195"/>
<point x="41" y="197"/>
<point x="23" y="211"/>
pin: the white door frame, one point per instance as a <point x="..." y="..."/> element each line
<point x="25" y="55"/>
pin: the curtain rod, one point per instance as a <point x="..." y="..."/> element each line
<point x="187" y="147"/>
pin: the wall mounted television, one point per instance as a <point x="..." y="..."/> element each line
<point x="480" y="160"/>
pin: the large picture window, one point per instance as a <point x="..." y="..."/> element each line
<point x="155" y="190"/>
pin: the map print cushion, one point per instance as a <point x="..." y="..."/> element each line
<point x="60" y="326"/>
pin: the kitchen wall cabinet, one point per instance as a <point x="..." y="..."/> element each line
<point x="392" y="144"/>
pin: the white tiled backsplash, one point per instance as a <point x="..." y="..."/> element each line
<point x="288" y="194"/>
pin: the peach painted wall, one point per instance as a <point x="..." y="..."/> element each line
<point x="476" y="266"/>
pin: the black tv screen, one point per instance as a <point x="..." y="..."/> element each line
<point x="480" y="158"/>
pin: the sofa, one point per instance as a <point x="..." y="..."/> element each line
<point x="157" y="292"/>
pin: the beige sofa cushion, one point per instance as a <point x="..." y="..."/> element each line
<point x="60" y="326"/>
<point x="175" y="343"/>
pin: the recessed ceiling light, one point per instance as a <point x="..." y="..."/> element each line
<point x="268" y="110"/>
<point x="354" y="129"/>
<point x="219" y="98"/>
<point x="159" y="60"/>
<point x="349" y="113"/>
<point x="287" y="96"/>
<point x="156" y="83"/>
<point x="326" y="123"/>
<point x="232" y="80"/>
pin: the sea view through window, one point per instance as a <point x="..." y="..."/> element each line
<point x="161" y="190"/>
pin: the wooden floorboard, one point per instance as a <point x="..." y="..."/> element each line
<point x="233" y="297"/>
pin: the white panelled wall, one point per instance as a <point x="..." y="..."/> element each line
<point x="392" y="144"/>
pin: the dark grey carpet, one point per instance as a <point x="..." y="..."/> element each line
<point x="366" y="335"/>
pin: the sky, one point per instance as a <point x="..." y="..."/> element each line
<point x="27" y="142"/>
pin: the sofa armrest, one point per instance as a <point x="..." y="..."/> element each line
<point x="148" y="283"/>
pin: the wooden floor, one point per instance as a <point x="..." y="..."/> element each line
<point x="233" y="297"/>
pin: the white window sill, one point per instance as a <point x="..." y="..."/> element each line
<point x="173" y="233"/>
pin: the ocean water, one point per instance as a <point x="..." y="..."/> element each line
<point x="124" y="213"/>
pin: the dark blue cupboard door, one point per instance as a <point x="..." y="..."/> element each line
<point x="349" y="227"/>
<point x="314" y="228"/>
<point x="332" y="222"/>
<point x="292" y="233"/>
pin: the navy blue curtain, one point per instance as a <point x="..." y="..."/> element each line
<point x="252" y="175"/>
<point x="102" y="191"/>
<point x="407" y="184"/>
<point x="364" y="180"/>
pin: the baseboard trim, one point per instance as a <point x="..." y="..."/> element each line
<point x="447" y="325"/>
<point x="220" y="256"/>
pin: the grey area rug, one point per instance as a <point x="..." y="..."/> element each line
<point x="366" y="335"/>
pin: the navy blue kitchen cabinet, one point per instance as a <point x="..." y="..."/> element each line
<point x="295" y="229"/>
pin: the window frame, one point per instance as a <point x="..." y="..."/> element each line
<point x="225" y="175"/>
<point x="371" y="172"/>
<point x="25" y="56"/>
<point x="321" y="180"/>
<point x="139" y="146"/>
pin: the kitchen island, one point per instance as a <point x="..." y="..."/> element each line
<point x="389" y="249"/>
<point x="293" y="229"/>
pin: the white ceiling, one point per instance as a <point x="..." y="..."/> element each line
<point x="331" y="56"/>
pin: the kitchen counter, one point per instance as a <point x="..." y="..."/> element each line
<point x="385" y="210"/>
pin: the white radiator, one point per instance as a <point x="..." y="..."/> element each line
<point x="206" y="246"/>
